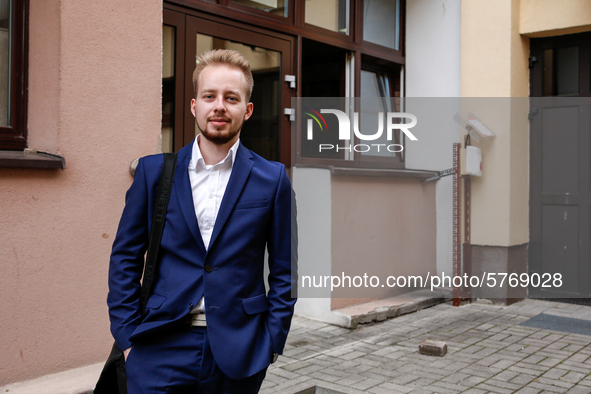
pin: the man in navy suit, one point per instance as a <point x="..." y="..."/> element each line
<point x="210" y="326"/>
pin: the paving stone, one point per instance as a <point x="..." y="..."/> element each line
<point x="578" y="390"/>
<point x="387" y="388"/>
<point x="296" y="365"/>
<point x="488" y="352"/>
<point x="367" y="383"/>
<point x="573" y="377"/>
<point x="528" y="390"/>
<point x="442" y="390"/>
<point x="472" y="381"/>
<point x="448" y="386"/>
<point x="523" y="379"/>
<point x="503" y="384"/>
<point x="456" y="377"/>
<point x="351" y="380"/>
<point x="421" y="391"/>
<point x="555" y="382"/>
<point x="381" y="374"/>
<point x="433" y="348"/>
<point x="528" y="369"/>
<point x="494" y="389"/>
<point x="503" y="364"/>
<point x="577" y="367"/>
<point x="546" y="389"/>
<point x="550" y="362"/>
<point x="555" y="373"/>
<point x="283" y="373"/>
<point x="484" y="372"/>
<point x="324" y="376"/>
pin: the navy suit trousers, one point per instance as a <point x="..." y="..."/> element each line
<point x="179" y="361"/>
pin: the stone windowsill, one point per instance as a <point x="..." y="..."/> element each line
<point x="31" y="159"/>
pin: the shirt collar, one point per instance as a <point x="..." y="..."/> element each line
<point x="197" y="157"/>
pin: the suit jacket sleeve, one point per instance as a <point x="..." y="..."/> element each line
<point x="127" y="261"/>
<point x="282" y="247"/>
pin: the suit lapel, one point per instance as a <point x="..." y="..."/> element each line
<point x="240" y="172"/>
<point x="185" y="194"/>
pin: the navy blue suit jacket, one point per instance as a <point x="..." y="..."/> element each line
<point x="245" y="324"/>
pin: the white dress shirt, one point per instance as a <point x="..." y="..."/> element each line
<point x="208" y="185"/>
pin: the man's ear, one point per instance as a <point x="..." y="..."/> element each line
<point x="193" y="108"/>
<point x="249" y="109"/>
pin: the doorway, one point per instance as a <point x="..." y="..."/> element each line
<point x="560" y="169"/>
<point x="185" y="36"/>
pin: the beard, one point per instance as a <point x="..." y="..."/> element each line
<point x="219" y="137"/>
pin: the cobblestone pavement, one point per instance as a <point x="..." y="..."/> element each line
<point x="488" y="352"/>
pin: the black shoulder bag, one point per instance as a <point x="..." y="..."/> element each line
<point x="113" y="379"/>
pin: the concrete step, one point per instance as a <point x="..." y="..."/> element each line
<point x="73" y="381"/>
<point x="380" y="310"/>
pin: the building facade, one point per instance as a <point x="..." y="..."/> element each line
<point x="88" y="88"/>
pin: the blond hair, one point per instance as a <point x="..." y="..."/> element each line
<point x="228" y="57"/>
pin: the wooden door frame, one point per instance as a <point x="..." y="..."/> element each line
<point x="192" y="22"/>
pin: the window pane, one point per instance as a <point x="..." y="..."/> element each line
<point x="376" y="100"/>
<point x="323" y="75"/>
<point x="277" y="7"/>
<point x="561" y="71"/>
<point x="168" y="85"/>
<point x="262" y="131"/>
<point x="567" y="70"/>
<point x="5" y="61"/>
<point x="381" y="22"/>
<point x="329" y="14"/>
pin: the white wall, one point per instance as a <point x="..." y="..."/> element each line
<point x="433" y="48"/>
<point x="314" y="198"/>
<point x="433" y="70"/>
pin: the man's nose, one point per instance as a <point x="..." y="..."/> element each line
<point x="220" y="105"/>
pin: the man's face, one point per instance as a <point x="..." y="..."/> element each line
<point x="220" y="107"/>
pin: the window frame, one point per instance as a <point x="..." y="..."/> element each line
<point x="538" y="45"/>
<point x="361" y="53"/>
<point x="14" y="137"/>
<point x="390" y="71"/>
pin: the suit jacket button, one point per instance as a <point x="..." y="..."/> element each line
<point x="208" y="268"/>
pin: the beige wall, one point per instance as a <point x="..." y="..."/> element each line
<point x="381" y="227"/>
<point x="494" y="64"/>
<point x="94" y="97"/>
<point x="495" y="51"/>
<point x="543" y="18"/>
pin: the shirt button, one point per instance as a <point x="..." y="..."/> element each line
<point x="208" y="268"/>
<point x="208" y="227"/>
<point x="211" y="196"/>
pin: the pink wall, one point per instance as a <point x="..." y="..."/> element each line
<point x="381" y="227"/>
<point x="94" y="97"/>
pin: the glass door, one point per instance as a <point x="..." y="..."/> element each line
<point x="267" y="132"/>
<point x="261" y="133"/>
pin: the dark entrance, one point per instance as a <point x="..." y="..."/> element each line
<point x="560" y="169"/>
<point x="189" y="33"/>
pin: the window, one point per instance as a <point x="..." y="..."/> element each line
<point x="277" y="7"/>
<point x="339" y="49"/>
<point x="560" y="66"/>
<point x="381" y="22"/>
<point x="13" y="74"/>
<point x="377" y="97"/>
<point x="332" y="15"/>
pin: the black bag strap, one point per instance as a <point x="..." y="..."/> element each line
<point x="163" y="196"/>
